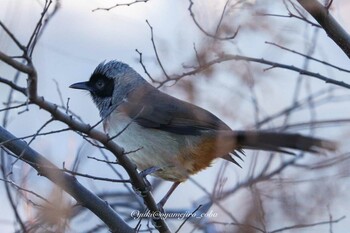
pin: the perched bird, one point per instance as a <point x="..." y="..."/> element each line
<point x="177" y="138"/>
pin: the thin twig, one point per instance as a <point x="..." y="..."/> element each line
<point x="13" y="37"/>
<point x="183" y="223"/>
<point x="156" y="52"/>
<point x="144" y="67"/>
<point x="204" y="31"/>
<point x="272" y="64"/>
<point x="26" y="190"/>
<point x="118" y="5"/>
<point x="308" y="57"/>
<point x="298" y="226"/>
<point x="93" y="177"/>
<point x="13" y="107"/>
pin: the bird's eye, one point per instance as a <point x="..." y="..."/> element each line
<point x="100" y="84"/>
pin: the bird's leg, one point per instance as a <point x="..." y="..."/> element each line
<point x="167" y="195"/>
<point x="149" y="171"/>
<point x="145" y="173"/>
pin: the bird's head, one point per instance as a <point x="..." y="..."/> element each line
<point x="110" y="84"/>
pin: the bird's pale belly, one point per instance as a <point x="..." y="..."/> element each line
<point x="153" y="148"/>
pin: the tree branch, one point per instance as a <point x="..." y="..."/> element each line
<point x="65" y="181"/>
<point x="272" y="64"/>
<point x="137" y="180"/>
<point x="333" y="29"/>
<point x="15" y="64"/>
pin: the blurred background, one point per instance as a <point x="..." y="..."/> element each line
<point x="269" y="193"/>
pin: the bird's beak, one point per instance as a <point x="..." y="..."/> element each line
<point x="81" y="85"/>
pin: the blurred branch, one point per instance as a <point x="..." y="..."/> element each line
<point x="155" y="51"/>
<point x="25" y="190"/>
<point x="272" y="64"/>
<point x="333" y="29"/>
<point x="340" y="159"/>
<point x="294" y="227"/>
<point x="214" y="36"/>
<point x="308" y="57"/>
<point x="94" y="177"/>
<point x="262" y="176"/>
<point x="6" y="160"/>
<point x="66" y="182"/>
<point x="119" y="4"/>
<point x="298" y="226"/>
<point x="314" y="124"/>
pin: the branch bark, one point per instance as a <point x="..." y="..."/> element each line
<point x="333" y="29"/>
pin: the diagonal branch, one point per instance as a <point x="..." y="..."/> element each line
<point x="65" y="181"/>
<point x="333" y="29"/>
<point x="137" y="180"/>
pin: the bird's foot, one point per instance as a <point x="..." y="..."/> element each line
<point x="150" y="171"/>
<point x="148" y="185"/>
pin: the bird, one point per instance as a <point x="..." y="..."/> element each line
<point x="172" y="138"/>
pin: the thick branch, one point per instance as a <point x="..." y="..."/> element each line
<point x="15" y="64"/>
<point x="65" y="181"/>
<point x="333" y="29"/>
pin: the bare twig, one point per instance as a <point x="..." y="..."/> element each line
<point x="35" y="35"/>
<point x="119" y="4"/>
<point x="214" y="36"/>
<point x="144" y="67"/>
<point x="102" y="160"/>
<point x="13" y="37"/>
<point x="13" y="86"/>
<point x="272" y="64"/>
<point x="93" y="177"/>
<point x="25" y="190"/>
<point x="155" y="50"/>
<point x="298" y="226"/>
<point x="13" y="107"/>
<point x="6" y="161"/>
<point x="183" y="223"/>
<point x="60" y="93"/>
<point x="308" y="57"/>
<point x="300" y="15"/>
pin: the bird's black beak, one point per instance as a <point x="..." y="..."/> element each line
<point x="81" y="85"/>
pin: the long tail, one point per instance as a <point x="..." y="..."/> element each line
<point x="278" y="141"/>
<point x="275" y="141"/>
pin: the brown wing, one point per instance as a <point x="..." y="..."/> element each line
<point x="154" y="109"/>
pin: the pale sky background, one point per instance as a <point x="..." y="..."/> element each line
<point x="77" y="39"/>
